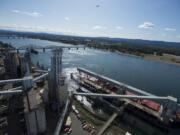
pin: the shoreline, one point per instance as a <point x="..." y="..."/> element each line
<point x="150" y="57"/>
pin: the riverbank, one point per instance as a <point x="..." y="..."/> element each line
<point x="155" y="77"/>
<point x="146" y="52"/>
<point x="165" y="58"/>
<point x="165" y="54"/>
<point x="157" y="56"/>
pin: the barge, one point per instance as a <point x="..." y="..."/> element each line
<point x="164" y="115"/>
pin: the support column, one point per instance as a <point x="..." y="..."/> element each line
<point x="54" y="77"/>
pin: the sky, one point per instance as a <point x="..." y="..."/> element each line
<point x="134" y="19"/>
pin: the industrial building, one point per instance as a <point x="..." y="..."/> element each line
<point x="36" y="101"/>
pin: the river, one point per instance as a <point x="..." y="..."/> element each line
<point x="152" y="76"/>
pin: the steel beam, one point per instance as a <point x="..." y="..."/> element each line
<point x="41" y="71"/>
<point x="114" y="82"/>
<point x="46" y="47"/>
<point x="11" y="81"/>
<point x="18" y="80"/>
<point x="40" y="77"/>
<point x="10" y="92"/>
<point x="21" y="79"/>
<point x="121" y="96"/>
<point x="16" y="88"/>
<point x="107" y="123"/>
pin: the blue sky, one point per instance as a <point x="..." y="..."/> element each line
<point x="137" y="19"/>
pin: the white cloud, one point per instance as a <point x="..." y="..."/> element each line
<point x="170" y="29"/>
<point x="23" y="28"/>
<point x="62" y="30"/>
<point x="146" y="25"/>
<point x="66" y="18"/>
<point x="119" y="27"/>
<point x="97" y="27"/>
<point x="33" y="14"/>
<point x="46" y="29"/>
<point x="17" y="27"/>
<point x="15" y="11"/>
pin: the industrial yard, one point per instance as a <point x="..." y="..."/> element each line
<point x="89" y="67"/>
<point x="35" y="100"/>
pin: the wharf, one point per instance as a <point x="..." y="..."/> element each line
<point x="84" y="81"/>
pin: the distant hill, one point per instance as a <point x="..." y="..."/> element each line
<point x="56" y="37"/>
<point x="139" y="42"/>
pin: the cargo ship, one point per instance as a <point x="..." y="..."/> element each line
<point x="164" y="115"/>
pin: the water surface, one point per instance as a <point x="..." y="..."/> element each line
<point x="152" y="76"/>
